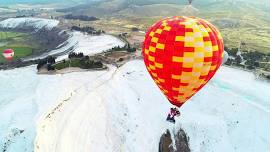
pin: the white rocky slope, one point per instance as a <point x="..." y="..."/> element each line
<point x="77" y="42"/>
<point x="123" y="110"/>
<point x="36" y="23"/>
<point x="25" y="96"/>
<point x="87" y="44"/>
<point x="84" y="43"/>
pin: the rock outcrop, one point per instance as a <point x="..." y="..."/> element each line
<point x="180" y="143"/>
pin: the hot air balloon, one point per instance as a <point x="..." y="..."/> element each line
<point x="8" y="54"/>
<point x="189" y="10"/>
<point x="182" y="54"/>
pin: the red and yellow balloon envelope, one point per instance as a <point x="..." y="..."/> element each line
<point x="8" y="54"/>
<point x="182" y="54"/>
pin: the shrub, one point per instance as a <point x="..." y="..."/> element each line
<point x="134" y="29"/>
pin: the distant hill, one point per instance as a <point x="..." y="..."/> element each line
<point x="165" y="7"/>
<point x="26" y="1"/>
<point x="152" y="10"/>
<point x="238" y="20"/>
<point x="7" y="2"/>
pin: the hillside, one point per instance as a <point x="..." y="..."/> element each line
<point x="238" y="21"/>
<point x="28" y="37"/>
<point x="36" y="23"/>
<point x="10" y="2"/>
<point x="114" y="108"/>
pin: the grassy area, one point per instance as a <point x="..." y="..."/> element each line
<point x="16" y="41"/>
<point x="80" y="63"/>
<point x="253" y="40"/>
<point x="4" y="36"/>
<point x="66" y="64"/>
<point x="251" y="30"/>
<point x="19" y="52"/>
